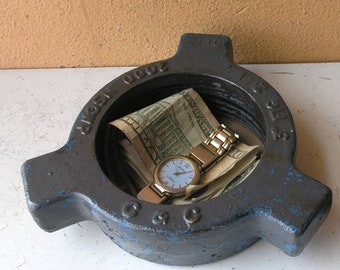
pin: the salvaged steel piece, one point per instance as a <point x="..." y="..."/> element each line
<point x="277" y="202"/>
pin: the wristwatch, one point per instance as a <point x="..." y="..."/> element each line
<point x="173" y="174"/>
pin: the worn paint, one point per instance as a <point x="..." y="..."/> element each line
<point x="295" y="210"/>
<point x="290" y="247"/>
<point x="258" y="206"/>
<point x="70" y="143"/>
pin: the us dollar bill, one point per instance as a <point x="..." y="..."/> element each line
<point x="173" y="126"/>
<point x="168" y="127"/>
<point x="230" y="166"/>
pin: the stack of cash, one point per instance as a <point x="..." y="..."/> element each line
<point x="173" y="126"/>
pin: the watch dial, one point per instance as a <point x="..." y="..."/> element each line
<point x="176" y="172"/>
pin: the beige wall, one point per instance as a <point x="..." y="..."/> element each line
<point x="52" y="33"/>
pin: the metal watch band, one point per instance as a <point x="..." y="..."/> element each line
<point x="214" y="147"/>
<point x="151" y="194"/>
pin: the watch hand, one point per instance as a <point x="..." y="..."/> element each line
<point x="179" y="173"/>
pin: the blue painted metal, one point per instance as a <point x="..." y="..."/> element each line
<point x="277" y="202"/>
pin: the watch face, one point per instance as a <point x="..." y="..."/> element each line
<point x="175" y="173"/>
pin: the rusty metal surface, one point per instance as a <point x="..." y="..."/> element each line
<point x="277" y="202"/>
